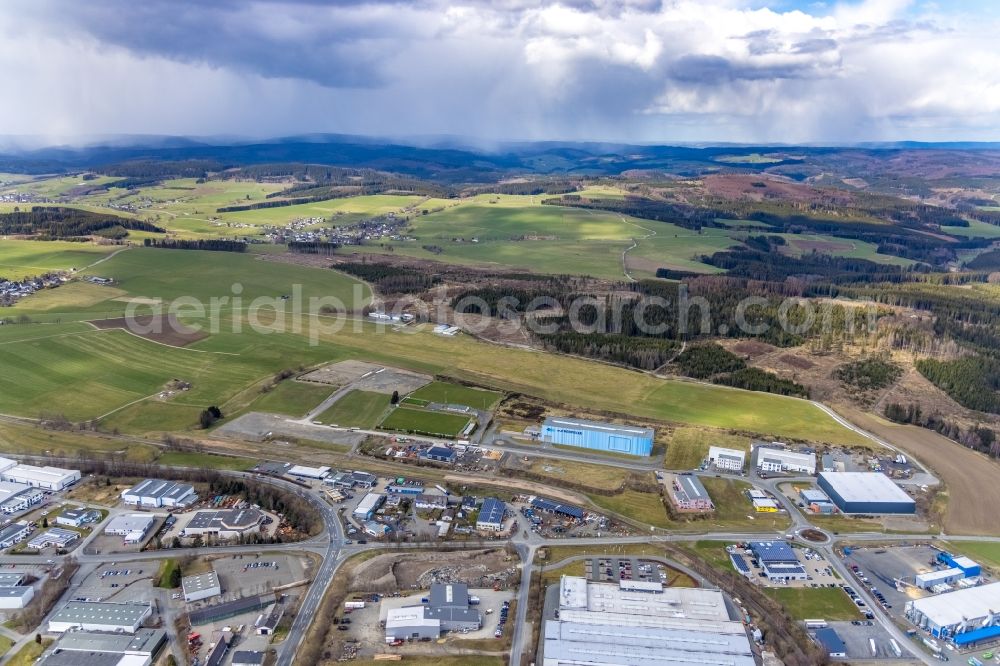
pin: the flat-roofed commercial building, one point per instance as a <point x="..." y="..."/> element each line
<point x="93" y="648"/>
<point x="865" y="492"/>
<point x="78" y="517"/>
<point x="308" y="472"/>
<point x="966" y="617"/>
<point x="133" y="526"/>
<point x="598" y="436"/>
<point x="100" y="616"/>
<point x="770" y="459"/>
<point x="616" y="625"/>
<point x="157" y="493"/>
<point x="732" y="460"/>
<point x="225" y="523"/>
<point x="689" y="494"/>
<point x="410" y="622"/>
<point x="201" y="586"/>
<point x="16" y="497"/>
<point x="46" y="478"/>
<point x="55" y="536"/>
<point x="16" y="596"/>
<point x="940" y="577"/>
<point x="14" y="533"/>
<point x="368" y="505"/>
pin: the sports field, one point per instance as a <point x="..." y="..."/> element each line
<point x="456" y="394"/>
<point x="418" y="421"/>
<point x="357" y="409"/>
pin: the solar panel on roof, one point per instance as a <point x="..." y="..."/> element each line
<point x="740" y="563"/>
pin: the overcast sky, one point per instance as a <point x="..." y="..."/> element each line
<point x="634" y="70"/>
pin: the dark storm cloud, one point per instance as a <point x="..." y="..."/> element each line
<point x="340" y="45"/>
<point x="590" y="69"/>
<point x="713" y="70"/>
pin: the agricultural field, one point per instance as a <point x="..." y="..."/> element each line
<point x="357" y="409"/>
<point x="676" y="248"/>
<point x="799" y="244"/>
<point x="143" y="274"/>
<point x="802" y="603"/>
<point x="25" y="258"/>
<point x="418" y="421"/>
<point x="456" y="394"/>
<point x="688" y="447"/>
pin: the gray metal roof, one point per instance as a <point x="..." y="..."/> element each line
<point x="158" y="488"/>
<point x="449" y="595"/>
<point x="226" y="519"/>
<point x="865" y="487"/>
<point x="144" y="640"/>
<point x="199" y="582"/>
<point x="99" y="612"/>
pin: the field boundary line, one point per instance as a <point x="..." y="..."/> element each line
<point x="164" y="344"/>
<point x="105" y="258"/>
<point x="128" y="404"/>
<point x="49" y="337"/>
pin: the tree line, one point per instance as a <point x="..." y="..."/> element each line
<point x="209" y="244"/>
<point x="389" y="279"/>
<point x="59" y="222"/>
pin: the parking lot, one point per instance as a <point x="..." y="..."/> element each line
<point x="857" y="637"/>
<point x="615" y="569"/>
<point x="883" y="566"/>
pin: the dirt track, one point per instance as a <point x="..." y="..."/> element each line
<point x="970" y="477"/>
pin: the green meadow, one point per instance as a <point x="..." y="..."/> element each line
<point x="440" y="424"/>
<point x="357" y="409"/>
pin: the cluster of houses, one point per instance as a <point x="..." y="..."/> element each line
<point x="316" y="229"/>
<point x="11" y="291"/>
<point x="18" y="197"/>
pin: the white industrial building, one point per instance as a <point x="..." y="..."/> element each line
<point x="15" y="597"/>
<point x="308" y="472"/>
<point x="491" y="515"/>
<point x="940" y="577"/>
<point x="13" y="594"/>
<point x="78" y="517"/>
<point x="410" y="622"/>
<point x="55" y="536"/>
<point x="91" y="648"/>
<point x="46" y="478"/>
<point x="368" y="505"/>
<point x="618" y="625"/>
<point x="865" y="492"/>
<point x="201" y="586"/>
<point x="768" y="459"/>
<point x="16" y="497"/>
<point x="14" y="533"/>
<point x="728" y="459"/>
<point x="157" y="493"/>
<point x="133" y="526"/>
<point x="100" y="616"/>
<point x="964" y="616"/>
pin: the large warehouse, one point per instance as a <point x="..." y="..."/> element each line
<point x="613" y="625"/>
<point x="46" y="478"/>
<point x="158" y="493"/>
<point x="447" y="609"/>
<point x="965" y="616"/>
<point x="100" y="616"/>
<point x="865" y="492"/>
<point x="599" y="436"/>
